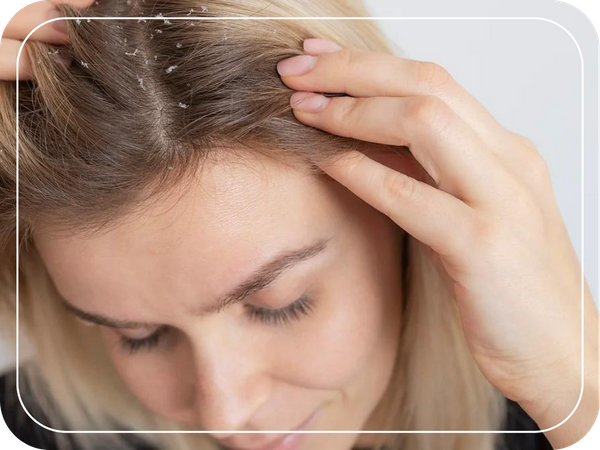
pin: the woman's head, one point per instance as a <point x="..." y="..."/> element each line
<point x="162" y="170"/>
<point x="243" y="367"/>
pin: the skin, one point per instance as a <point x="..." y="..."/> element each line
<point x="21" y="24"/>
<point x="514" y="285"/>
<point x="489" y="215"/>
<point x="222" y="371"/>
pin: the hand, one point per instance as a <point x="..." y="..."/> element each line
<point x="21" y="25"/>
<point x="488" y="214"/>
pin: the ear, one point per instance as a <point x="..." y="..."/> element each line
<point x="400" y="159"/>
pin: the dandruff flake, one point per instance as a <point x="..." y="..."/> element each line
<point x="141" y="81"/>
<point x="78" y="21"/>
<point x="84" y="64"/>
<point x="191" y="11"/>
<point x="132" y="54"/>
<point x="183" y="105"/>
<point x="204" y="8"/>
<point x="178" y="45"/>
<point x="171" y="69"/>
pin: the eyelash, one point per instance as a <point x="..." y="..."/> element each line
<point x="274" y="317"/>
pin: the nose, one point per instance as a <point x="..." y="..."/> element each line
<point x="231" y="383"/>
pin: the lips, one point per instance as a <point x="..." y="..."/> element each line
<point x="288" y="441"/>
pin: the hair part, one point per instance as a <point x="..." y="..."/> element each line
<point x="144" y="105"/>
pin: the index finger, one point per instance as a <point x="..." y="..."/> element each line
<point x="351" y="71"/>
<point x="34" y="14"/>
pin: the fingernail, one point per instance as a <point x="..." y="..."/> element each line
<point x="59" y="25"/>
<point x="318" y="46"/>
<point x="296" y="65"/>
<point x="308" y="101"/>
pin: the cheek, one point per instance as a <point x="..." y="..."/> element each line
<point x="347" y="333"/>
<point x="157" y="382"/>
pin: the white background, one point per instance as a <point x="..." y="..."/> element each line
<point x="528" y="75"/>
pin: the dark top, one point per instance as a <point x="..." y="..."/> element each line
<point x="32" y="434"/>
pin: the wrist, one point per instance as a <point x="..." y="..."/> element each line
<point x="559" y="393"/>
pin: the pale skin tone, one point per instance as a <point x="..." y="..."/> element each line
<point x="518" y="287"/>
<point x="224" y="371"/>
<point x="489" y="216"/>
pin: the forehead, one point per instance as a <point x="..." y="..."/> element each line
<point x="234" y="215"/>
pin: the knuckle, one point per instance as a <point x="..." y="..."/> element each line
<point x="539" y="170"/>
<point x="397" y="186"/>
<point x="524" y="141"/>
<point x="433" y="77"/>
<point x="346" y="112"/>
<point x="348" y="57"/>
<point x="429" y="111"/>
<point x="536" y="166"/>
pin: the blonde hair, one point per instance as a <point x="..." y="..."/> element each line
<point x="143" y="104"/>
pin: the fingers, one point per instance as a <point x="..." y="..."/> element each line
<point x="19" y="27"/>
<point x="351" y="71"/>
<point x="432" y="216"/>
<point x="9" y="50"/>
<point x="447" y="148"/>
<point x="33" y="15"/>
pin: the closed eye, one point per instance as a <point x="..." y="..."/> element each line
<point x="273" y="317"/>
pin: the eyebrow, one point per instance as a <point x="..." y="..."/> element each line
<point x="259" y="280"/>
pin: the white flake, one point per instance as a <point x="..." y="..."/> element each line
<point x="141" y="81"/>
<point x="204" y="8"/>
<point x="84" y="64"/>
<point x="183" y="105"/>
<point x="132" y="54"/>
<point x="178" y="45"/>
<point x="171" y="69"/>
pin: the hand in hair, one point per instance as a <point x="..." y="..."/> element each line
<point x="488" y="213"/>
<point x="22" y="24"/>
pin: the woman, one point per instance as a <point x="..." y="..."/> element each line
<point x="349" y="263"/>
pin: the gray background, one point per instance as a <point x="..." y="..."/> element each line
<point x="528" y="74"/>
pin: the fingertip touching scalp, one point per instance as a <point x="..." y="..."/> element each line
<point x="142" y="105"/>
<point x="145" y="102"/>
